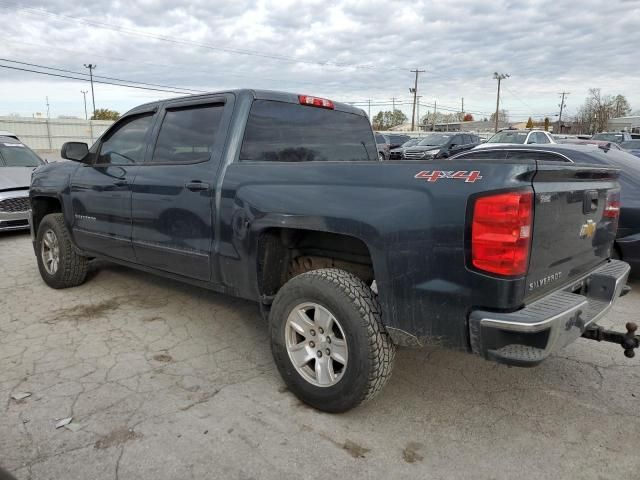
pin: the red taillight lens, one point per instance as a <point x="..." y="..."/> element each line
<point x="316" y="102"/>
<point x="612" y="207"/>
<point x="501" y="233"/>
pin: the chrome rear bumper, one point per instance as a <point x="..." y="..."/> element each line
<point x="527" y="336"/>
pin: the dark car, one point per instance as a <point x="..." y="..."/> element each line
<point x="631" y="146"/>
<point x="441" y="145"/>
<point x="17" y="161"/>
<point x="627" y="245"/>
<point x="382" y="143"/>
<point x="615" y="137"/>
<point x="396" y="153"/>
<point x="389" y="141"/>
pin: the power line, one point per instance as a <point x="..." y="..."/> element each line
<point x="84" y="79"/>
<point x="101" y="76"/>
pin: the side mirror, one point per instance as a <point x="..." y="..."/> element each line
<point x="75" y="151"/>
<point x="452" y="146"/>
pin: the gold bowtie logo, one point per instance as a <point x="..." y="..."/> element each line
<point x="588" y="229"/>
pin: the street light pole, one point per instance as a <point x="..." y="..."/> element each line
<point x="84" y="96"/>
<point x="499" y="77"/>
<point x="91" y="67"/>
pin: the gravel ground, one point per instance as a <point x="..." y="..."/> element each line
<point x="167" y="381"/>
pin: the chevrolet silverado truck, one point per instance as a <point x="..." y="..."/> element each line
<point x="281" y="198"/>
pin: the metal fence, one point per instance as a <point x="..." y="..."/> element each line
<point x="48" y="134"/>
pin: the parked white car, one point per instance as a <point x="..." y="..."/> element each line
<point x="522" y="137"/>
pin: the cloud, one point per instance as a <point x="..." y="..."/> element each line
<point x="547" y="46"/>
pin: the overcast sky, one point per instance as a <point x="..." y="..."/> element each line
<point x="345" y="50"/>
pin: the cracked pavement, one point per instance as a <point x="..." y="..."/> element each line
<point x="165" y="381"/>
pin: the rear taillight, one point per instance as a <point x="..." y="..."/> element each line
<point x="612" y="207"/>
<point x="316" y="102"/>
<point x="501" y="233"/>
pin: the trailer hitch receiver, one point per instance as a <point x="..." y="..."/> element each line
<point x="628" y="341"/>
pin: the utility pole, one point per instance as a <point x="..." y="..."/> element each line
<point x="435" y="112"/>
<point x="414" y="90"/>
<point x="91" y="68"/>
<point x="499" y="77"/>
<point x="462" y="120"/>
<point x="561" y="108"/>
<point x="47" y="106"/>
<point x="84" y="95"/>
<point x="418" y="110"/>
<point x="393" y="102"/>
<point x="369" y="102"/>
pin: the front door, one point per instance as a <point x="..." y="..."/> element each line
<point x="173" y="196"/>
<point x="101" y="189"/>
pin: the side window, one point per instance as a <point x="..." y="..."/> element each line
<point x="484" y="155"/>
<point x="126" y="145"/>
<point x="543" y="138"/>
<point x="538" y="156"/>
<point x="456" y="141"/>
<point x="187" y="134"/>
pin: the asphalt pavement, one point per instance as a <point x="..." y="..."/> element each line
<point x="159" y="380"/>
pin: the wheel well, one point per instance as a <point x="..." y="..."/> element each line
<point x="41" y="206"/>
<point x="284" y="253"/>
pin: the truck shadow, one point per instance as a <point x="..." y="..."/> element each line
<point x="447" y="381"/>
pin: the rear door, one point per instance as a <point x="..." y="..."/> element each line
<point x="571" y="233"/>
<point x="173" y="199"/>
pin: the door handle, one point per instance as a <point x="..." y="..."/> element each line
<point x="196" y="186"/>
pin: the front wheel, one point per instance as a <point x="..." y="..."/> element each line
<point x="60" y="265"/>
<point x="328" y="340"/>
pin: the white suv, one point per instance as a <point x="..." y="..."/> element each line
<point x="522" y="137"/>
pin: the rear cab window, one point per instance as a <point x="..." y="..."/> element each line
<point x="288" y="132"/>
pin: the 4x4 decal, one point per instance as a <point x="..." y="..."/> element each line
<point x="435" y="175"/>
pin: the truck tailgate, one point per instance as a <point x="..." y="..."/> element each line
<point x="573" y="231"/>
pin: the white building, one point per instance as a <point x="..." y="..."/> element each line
<point x="630" y="124"/>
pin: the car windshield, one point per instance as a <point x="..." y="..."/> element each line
<point x="434" y="140"/>
<point x="17" y="155"/>
<point x="508" y="137"/>
<point x="608" y="137"/>
<point x="631" y="144"/>
<point x="410" y="143"/>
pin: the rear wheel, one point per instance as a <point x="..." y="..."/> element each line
<point x="60" y="265"/>
<point x="328" y="340"/>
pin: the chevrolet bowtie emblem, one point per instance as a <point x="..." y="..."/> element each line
<point x="588" y="229"/>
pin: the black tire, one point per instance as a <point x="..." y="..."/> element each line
<point x="72" y="267"/>
<point x="370" y="350"/>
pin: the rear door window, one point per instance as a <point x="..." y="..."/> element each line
<point x="535" y="155"/>
<point x="484" y="155"/>
<point x="187" y="134"/>
<point x="287" y="132"/>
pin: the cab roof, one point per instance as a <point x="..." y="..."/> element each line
<point x="273" y="95"/>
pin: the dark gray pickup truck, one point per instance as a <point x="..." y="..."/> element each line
<point x="281" y="198"/>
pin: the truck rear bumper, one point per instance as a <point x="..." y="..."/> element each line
<point x="527" y="336"/>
